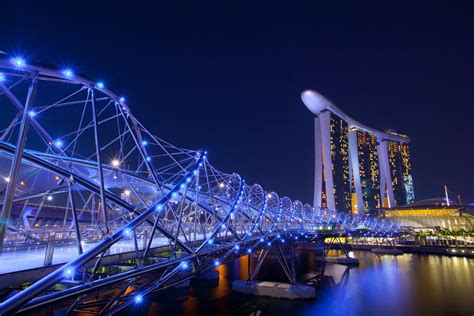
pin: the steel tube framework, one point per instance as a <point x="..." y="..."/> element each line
<point x="109" y="182"/>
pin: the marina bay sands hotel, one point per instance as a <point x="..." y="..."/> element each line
<point x="358" y="169"/>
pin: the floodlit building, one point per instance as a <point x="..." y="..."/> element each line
<point x="358" y="169"/>
<point x="433" y="214"/>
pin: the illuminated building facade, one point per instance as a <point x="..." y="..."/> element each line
<point x="400" y="168"/>
<point x="369" y="171"/>
<point x="340" y="167"/>
<point x="357" y="169"/>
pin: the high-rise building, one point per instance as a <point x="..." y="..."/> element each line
<point x="358" y="169"/>
<point x="369" y="171"/>
<point x="400" y="168"/>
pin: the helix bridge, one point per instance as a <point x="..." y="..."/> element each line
<point x="79" y="171"/>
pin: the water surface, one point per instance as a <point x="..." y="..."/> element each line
<point x="382" y="285"/>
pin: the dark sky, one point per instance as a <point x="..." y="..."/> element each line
<point x="226" y="76"/>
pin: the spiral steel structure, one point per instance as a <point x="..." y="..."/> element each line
<point x="77" y="165"/>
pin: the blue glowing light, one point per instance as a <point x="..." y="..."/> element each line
<point x="127" y="231"/>
<point x="184" y="265"/>
<point x="18" y="62"/>
<point x="144" y="143"/>
<point x="121" y="99"/>
<point x="269" y="244"/>
<point x="58" y="143"/>
<point x="2" y="77"/>
<point x="69" y="272"/>
<point x="261" y="239"/>
<point x="217" y="263"/>
<point x="31" y="113"/>
<point x="138" y="299"/>
<point x="237" y="247"/>
<point x="68" y="73"/>
<point x="159" y="207"/>
<point x="100" y="85"/>
<point x="249" y="250"/>
<point x="148" y="158"/>
<point x="210" y="241"/>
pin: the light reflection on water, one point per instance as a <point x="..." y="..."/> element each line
<point x="381" y="285"/>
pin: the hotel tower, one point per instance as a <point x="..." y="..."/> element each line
<point x="358" y="169"/>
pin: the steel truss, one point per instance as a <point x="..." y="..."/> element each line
<point x="79" y="166"/>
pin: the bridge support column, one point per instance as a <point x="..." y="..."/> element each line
<point x="345" y="259"/>
<point x="291" y="290"/>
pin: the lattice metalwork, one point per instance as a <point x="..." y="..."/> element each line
<point x="78" y="168"/>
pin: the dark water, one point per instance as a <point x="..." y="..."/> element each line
<point x="382" y="285"/>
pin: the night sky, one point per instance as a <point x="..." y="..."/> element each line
<point x="227" y="76"/>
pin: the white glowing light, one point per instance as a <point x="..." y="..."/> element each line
<point x="115" y="163"/>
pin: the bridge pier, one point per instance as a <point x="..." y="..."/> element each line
<point x="286" y="258"/>
<point x="274" y="289"/>
<point x="346" y="259"/>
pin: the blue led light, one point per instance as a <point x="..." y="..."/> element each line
<point x="100" y="85"/>
<point x="58" y="143"/>
<point x="127" y="231"/>
<point x="121" y="99"/>
<point x="237" y="247"/>
<point x="210" y="241"/>
<point x="31" y="113"/>
<point x="249" y="250"/>
<point x="2" y="77"/>
<point x="69" y="272"/>
<point x="144" y="142"/>
<point x="159" y="207"/>
<point x="138" y="299"/>
<point x="184" y="265"/>
<point x="148" y="158"/>
<point x="68" y="73"/>
<point x="18" y="62"/>
<point x="217" y="263"/>
<point x="269" y="244"/>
